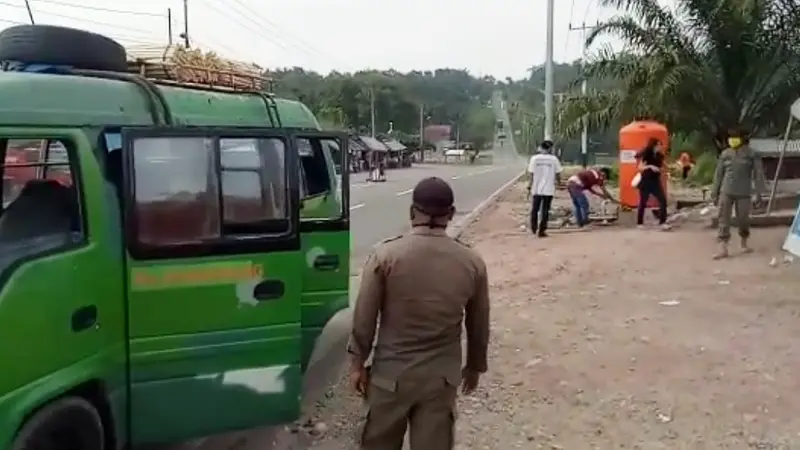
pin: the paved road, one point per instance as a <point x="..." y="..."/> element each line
<point x="380" y="210"/>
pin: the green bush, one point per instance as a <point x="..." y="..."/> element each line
<point x="614" y="173"/>
<point x="614" y="168"/>
<point x="702" y="173"/>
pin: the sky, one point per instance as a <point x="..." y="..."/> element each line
<point x="501" y="38"/>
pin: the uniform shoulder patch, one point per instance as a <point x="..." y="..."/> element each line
<point x="393" y="238"/>
<point x="463" y="243"/>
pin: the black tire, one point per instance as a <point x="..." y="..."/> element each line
<point x="70" y="423"/>
<point x="59" y="46"/>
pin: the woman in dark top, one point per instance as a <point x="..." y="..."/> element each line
<point x="651" y="161"/>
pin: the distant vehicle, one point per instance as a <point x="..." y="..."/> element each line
<point x="500" y="125"/>
<point x="501" y="136"/>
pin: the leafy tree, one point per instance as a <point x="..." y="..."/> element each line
<point x="704" y="66"/>
<point x="331" y="118"/>
<point x="525" y="102"/>
<point x="479" y="127"/>
<point x="343" y="101"/>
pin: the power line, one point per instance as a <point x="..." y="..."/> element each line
<point x="566" y="41"/>
<point x="81" y="19"/>
<point x="584" y="89"/>
<point x="256" y="29"/>
<point x="280" y="39"/>
<point x="180" y="24"/>
<point x="12" y="22"/>
<point x="122" y="38"/>
<point x="216" y="47"/>
<point x="277" y="28"/>
<point x="586" y="13"/>
<point x="134" y="40"/>
<point x="97" y="8"/>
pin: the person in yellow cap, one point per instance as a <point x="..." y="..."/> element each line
<point x="739" y="172"/>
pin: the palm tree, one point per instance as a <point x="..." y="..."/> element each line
<point x="702" y="66"/>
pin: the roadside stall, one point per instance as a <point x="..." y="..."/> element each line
<point x="398" y="154"/>
<point x="359" y="154"/>
<point x="378" y="153"/>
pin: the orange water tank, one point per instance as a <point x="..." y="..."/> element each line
<point x="632" y="139"/>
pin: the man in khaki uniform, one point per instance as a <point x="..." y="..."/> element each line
<point x="423" y="285"/>
<point x="739" y="173"/>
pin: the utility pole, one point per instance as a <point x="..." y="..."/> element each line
<point x="169" y="25"/>
<point x="422" y="132"/>
<point x="584" y="90"/>
<point x="186" y="23"/>
<point x="372" y="110"/>
<point x="548" y="74"/>
<point x="526" y="133"/>
<point x="421" y="126"/>
<point x="457" y="124"/>
<point x="30" y="12"/>
<point x="558" y="97"/>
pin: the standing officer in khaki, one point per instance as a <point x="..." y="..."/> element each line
<point x="423" y="285"/>
<point x="738" y="169"/>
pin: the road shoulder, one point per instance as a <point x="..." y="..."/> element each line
<point x="593" y="349"/>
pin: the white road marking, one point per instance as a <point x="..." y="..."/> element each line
<point x="360" y="205"/>
<point x="359" y="185"/>
<point x="402" y="193"/>
<point x="480" y="172"/>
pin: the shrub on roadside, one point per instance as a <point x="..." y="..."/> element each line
<point x="614" y="180"/>
<point x="702" y="173"/>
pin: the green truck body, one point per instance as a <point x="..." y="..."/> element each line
<point x="176" y="340"/>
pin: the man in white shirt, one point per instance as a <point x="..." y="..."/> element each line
<point x="544" y="169"/>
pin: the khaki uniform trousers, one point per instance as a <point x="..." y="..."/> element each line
<point x="424" y="407"/>
<point x="727" y="205"/>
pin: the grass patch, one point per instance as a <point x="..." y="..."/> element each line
<point x="702" y="173"/>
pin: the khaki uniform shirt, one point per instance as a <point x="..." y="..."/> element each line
<point x="738" y="172"/>
<point x="424" y="286"/>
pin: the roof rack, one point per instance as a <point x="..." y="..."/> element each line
<point x="175" y="65"/>
<point x="180" y="66"/>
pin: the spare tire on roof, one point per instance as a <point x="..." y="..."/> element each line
<point x="60" y="46"/>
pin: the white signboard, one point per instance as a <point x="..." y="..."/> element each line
<point x="792" y="243"/>
<point x="627" y="156"/>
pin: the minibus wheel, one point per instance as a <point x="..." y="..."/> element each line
<point x="66" y="424"/>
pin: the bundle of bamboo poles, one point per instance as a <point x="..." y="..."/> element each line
<point x="176" y="63"/>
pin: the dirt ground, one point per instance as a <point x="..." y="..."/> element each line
<point x="621" y="338"/>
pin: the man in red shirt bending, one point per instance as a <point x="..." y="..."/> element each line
<point x="587" y="180"/>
